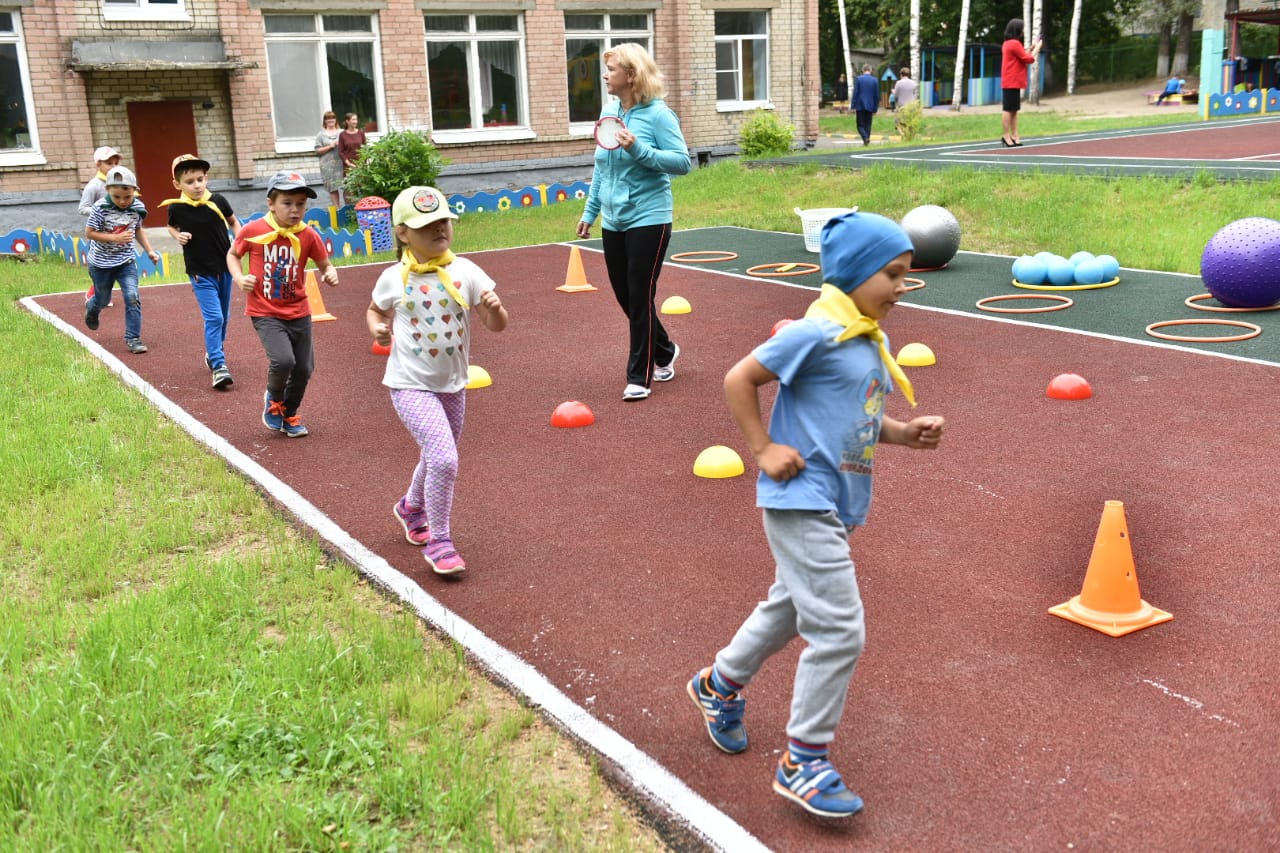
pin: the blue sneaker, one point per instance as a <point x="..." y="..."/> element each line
<point x="272" y="413"/>
<point x="293" y="426"/>
<point x="816" y="787"/>
<point x="723" y="714"/>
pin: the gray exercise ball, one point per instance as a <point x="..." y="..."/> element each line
<point x="935" y="236"/>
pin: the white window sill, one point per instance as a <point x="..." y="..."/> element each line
<point x="158" y="13"/>
<point x="486" y="134"/>
<point x="28" y="157"/>
<point x="742" y="106"/>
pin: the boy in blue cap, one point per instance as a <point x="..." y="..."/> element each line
<point x="816" y="460"/>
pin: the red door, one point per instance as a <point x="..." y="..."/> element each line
<point x="159" y="131"/>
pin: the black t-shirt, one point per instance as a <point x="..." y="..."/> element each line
<point x="206" y="252"/>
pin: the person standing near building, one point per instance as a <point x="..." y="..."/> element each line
<point x="350" y="141"/>
<point x="866" y="100"/>
<point x="330" y="158"/>
<point x="905" y="90"/>
<point x="842" y="94"/>
<point x="103" y="160"/>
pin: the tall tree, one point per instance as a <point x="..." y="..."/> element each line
<point x="1073" y="47"/>
<point x="958" y="87"/>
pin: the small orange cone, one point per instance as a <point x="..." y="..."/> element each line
<point x="318" y="312"/>
<point x="1109" y="601"/>
<point x="575" y="280"/>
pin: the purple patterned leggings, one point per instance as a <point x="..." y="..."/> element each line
<point x="435" y="422"/>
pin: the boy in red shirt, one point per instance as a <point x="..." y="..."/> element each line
<point x="279" y="246"/>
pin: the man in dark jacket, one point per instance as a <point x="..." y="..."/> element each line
<point x="866" y="100"/>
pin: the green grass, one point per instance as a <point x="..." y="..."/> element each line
<point x="182" y="668"/>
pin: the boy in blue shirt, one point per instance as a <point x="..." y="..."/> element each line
<point x="114" y="224"/>
<point x="816" y="460"/>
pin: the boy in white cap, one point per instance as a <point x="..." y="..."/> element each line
<point x="103" y="159"/>
<point x="425" y="301"/>
<point x="279" y="246"/>
<point x="115" y="223"/>
<point x="816" y="459"/>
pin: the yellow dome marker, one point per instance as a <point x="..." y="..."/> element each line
<point x="916" y="355"/>
<point x="718" y="462"/>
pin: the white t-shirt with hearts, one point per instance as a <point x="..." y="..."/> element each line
<point x="431" y="334"/>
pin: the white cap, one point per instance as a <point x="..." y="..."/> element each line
<point x="106" y="152"/>
<point x="119" y="176"/>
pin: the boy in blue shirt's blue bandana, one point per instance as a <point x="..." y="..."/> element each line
<point x="816" y="459"/>
<point x="115" y="223"/>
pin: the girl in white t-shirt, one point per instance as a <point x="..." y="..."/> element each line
<point x="420" y="307"/>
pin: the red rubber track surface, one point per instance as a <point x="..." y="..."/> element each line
<point x="975" y="719"/>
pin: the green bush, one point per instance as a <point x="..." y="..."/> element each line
<point x="909" y="120"/>
<point x="402" y="158"/>
<point x="764" y="135"/>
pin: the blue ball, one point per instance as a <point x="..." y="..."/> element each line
<point x="1029" y="270"/>
<point x="1110" y="267"/>
<point x="1089" y="272"/>
<point x="1061" y="272"/>
<point x="1080" y="257"/>
<point x="1045" y="257"/>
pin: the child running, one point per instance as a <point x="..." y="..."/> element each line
<point x="816" y="460"/>
<point x="420" y="307"/>
<point x="279" y="246"/>
<point x="199" y="220"/>
<point x="115" y="223"/>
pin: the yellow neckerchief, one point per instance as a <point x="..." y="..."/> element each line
<point x="837" y="306"/>
<point x="278" y="230"/>
<point x="102" y="176"/>
<point x="409" y="263"/>
<point x="205" y="200"/>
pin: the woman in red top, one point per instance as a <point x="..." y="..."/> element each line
<point x="1013" y="78"/>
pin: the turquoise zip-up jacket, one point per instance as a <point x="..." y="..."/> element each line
<point x="632" y="187"/>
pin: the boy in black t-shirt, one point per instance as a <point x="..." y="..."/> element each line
<point x="200" y="220"/>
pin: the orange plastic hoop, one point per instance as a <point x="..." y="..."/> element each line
<point x="985" y="304"/>
<point x="709" y="256"/>
<point x="928" y="269"/>
<point x="782" y="270"/>
<point x="919" y="283"/>
<point x="1255" y="330"/>
<point x="1191" y="301"/>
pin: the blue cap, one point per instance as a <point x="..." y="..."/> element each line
<point x="856" y="246"/>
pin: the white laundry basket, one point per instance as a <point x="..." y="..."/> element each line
<point x="811" y="222"/>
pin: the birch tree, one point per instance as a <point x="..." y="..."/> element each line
<point x="1073" y="47"/>
<point x="957" y="88"/>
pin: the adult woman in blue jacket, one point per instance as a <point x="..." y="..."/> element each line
<point x="631" y="192"/>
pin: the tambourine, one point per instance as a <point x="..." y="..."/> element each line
<point x="606" y="132"/>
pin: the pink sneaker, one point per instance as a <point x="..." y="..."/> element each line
<point x="443" y="558"/>
<point x="414" y="522"/>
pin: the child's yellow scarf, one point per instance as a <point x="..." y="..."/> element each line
<point x="837" y="306"/>
<point x="204" y="201"/>
<point x="278" y="230"/>
<point x="409" y="263"/>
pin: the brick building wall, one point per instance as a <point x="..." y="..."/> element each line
<point x="80" y="108"/>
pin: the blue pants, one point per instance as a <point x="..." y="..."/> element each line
<point x="815" y="596"/>
<point x="213" y="295"/>
<point x="104" y="278"/>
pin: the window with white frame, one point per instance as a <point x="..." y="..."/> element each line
<point x="144" y="10"/>
<point x="16" y="119"/>
<point x="476" y="71"/>
<point x="587" y="36"/>
<point x="742" y="57"/>
<point x="318" y="63"/>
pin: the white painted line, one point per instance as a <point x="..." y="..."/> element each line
<point x="650" y="778"/>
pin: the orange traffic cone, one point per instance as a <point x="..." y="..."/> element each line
<point x="575" y="280"/>
<point x="318" y="312"/>
<point x="1109" y="601"/>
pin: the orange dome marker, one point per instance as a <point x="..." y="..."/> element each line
<point x="572" y="413"/>
<point x="1109" y="601"/>
<point x="1069" y="386"/>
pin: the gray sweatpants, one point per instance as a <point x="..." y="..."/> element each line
<point x="814" y="595"/>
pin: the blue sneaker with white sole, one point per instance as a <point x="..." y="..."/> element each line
<point x="722" y="713"/>
<point x="816" y="787"/>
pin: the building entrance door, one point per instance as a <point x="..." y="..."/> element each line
<point x="159" y="131"/>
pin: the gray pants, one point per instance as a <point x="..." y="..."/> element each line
<point x="290" y="358"/>
<point x="815" y="596"/>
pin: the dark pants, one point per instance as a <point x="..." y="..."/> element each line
<point x="634" y="260"/>
<point x="290" y="357"/>
<point x="864" y="125"/>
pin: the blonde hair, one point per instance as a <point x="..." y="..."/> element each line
<point x="646" y="79"/>
<point x="329" y="114"/>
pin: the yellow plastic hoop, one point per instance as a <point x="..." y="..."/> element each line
<point x="985" y="304"/>
<point x="707" y="256"/>
<point x="1255" y="330"/>
<point x="783" y="270"/>
<point x="1097" y="286"/>
<point x="1191" y="301"/>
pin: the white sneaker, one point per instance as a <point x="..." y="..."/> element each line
<point x="635" y="392"/>
<point x="666" y="374"/>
